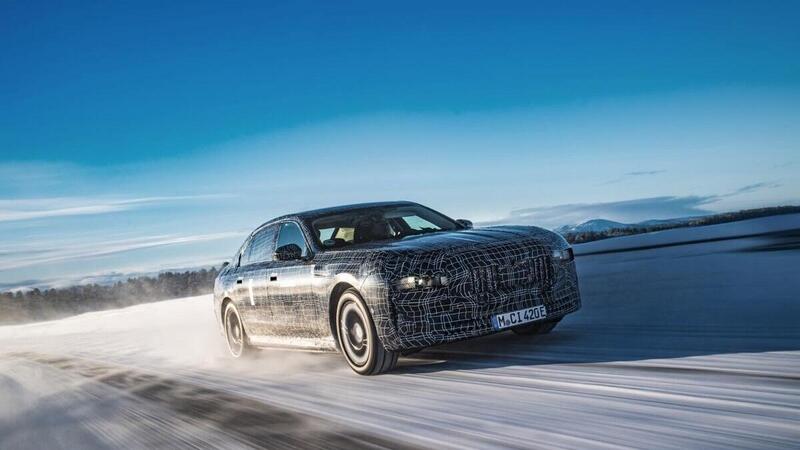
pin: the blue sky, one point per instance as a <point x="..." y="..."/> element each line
<point x="150" y="136"/>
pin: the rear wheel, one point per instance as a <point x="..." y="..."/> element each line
<point x="235" y="335"/>
<point x="358" y="339"/>
<point x="536" y="327"/>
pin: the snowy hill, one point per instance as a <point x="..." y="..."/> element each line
<point x="602" y="225"/>
<point x="594" y="225"/>
<point x="603" y="228"/>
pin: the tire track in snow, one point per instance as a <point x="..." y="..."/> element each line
<point x="246" y="420"/>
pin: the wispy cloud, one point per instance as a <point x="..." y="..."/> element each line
<point x="635" y="173"/>
<point x="639" y="173"/>
<point x="751" y="188"/>
<point x="39" y="208"/>
<point x="15" y="175"/>
<point x="36" y="254"/>
<point x="782" y="165"/>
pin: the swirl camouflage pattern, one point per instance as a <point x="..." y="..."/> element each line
<point x="378" y="280"/>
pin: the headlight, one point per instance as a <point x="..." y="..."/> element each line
<point x="421" y="282"/>
<point x="565" y="255"/>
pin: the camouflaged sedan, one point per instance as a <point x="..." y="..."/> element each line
<point x="379" y="280"/>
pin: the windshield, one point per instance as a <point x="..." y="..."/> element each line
<point x="378" y="224"/>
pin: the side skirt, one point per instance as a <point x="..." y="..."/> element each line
<point x="325" y="344"/>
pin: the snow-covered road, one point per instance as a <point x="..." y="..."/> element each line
<point x="676" y="346"/>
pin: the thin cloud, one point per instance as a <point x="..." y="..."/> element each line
<point x="26" y="257"/>
<point x="751" y="188"/>
<point x="636" y="173"/>
<point x="640" y="173"/>
<point x="20" y="174"/>
<point x="41" y="208"/>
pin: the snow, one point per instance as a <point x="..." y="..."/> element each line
<point x="687" y="346"/>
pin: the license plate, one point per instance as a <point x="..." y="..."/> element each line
<point x="522" y="316"/>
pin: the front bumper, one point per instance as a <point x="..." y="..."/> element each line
<point x="424" y="318"/>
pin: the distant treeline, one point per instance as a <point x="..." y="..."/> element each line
<point x="588" y="236"/>
<point x="47" y="304"/>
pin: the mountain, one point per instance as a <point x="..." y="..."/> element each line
<point x="594" y="225"/>
<point x="604" y="225"/>
<point x="595" y="229"/>
<point x="667" y="222"/>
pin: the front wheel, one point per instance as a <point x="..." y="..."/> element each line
<point x="536" y="327"/>
<point x="358" y="339"/>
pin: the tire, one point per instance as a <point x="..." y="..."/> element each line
<point x="358" y="339"/>
<point x="536" y="328"/>
<point x="235" y="336"/>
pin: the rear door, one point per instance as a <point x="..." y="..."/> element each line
<point x="251" y="281"/>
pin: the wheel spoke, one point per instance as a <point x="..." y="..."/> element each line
<point x="234" y="333"/>
<point x="353" y="334"/>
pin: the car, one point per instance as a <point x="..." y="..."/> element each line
<point x="375" y="281"/>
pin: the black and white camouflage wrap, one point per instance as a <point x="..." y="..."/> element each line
<point x="489" y="271"/>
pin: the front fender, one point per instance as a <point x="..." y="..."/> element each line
<point x="375" y="291"/>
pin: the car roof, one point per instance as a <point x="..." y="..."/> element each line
<point x="313" y="213"/>
<point x="344" y="208"/>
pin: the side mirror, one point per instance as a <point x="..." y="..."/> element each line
<point x="226" y="264"/>
<point x="467" y="224"/>
<point x="288" y="252"/>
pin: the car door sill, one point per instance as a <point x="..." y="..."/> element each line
<point x="295" y="343"/>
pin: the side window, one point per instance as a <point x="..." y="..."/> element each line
<point x="331" y="237"/>
<point x="261" y="247"/>
<point x="291" y="234"/>
<point x="345" y="233"/>
<point x="326" y="233"/>
<point x="238" y="258"/>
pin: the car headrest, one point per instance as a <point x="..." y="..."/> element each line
<point x="371" y="231"/>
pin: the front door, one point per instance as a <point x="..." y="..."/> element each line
<point x="295" y="311"/>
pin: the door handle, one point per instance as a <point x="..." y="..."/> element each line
<point x="239" y="281"/>
<point x="273" y="278"/>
